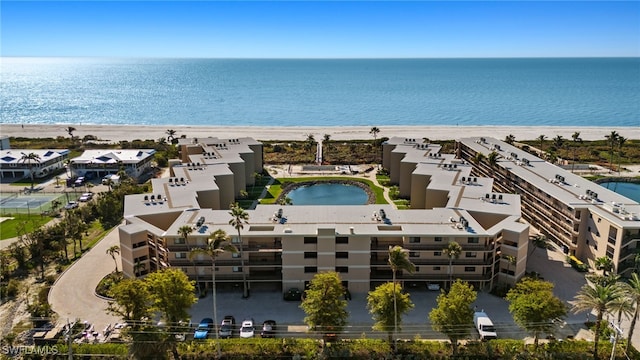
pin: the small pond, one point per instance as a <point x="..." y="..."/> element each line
<point x="328" y="194"/>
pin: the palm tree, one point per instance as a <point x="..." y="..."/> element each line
<point x="239" y="217"/>
<point x="598" y="298"/>
<point x="621" y="141"/>
<point x="612" y="141"/>
<point x="576" y="139"/>
<point x="539" y="241"/>
<point x="492" y="158"/>
<point x="70" y="131"/>
<point x="30" y="159"/>
<point x="510" y="139"/>
<point x="558" y="142"/>
<point x="453" y="250"/>
<point x="112" y="251"/>
<point x="511" y="260"/>
<point x="217" y="244"/>
<point x="184" y="231"/>
<point x="478" y="157"/>
<point x="171" y="135"/>
<point x="398" y="260"/>
<point x="632" y="290"/>
<point x="541" y="138"/>
<point x="138" y="267"/>
<point x="374" y="132"/>
<point x="605" y="264"/>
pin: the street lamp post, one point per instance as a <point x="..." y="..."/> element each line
<point x="615" y="339"/>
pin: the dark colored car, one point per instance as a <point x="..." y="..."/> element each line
<point x="268" y="329"/>
<point x="293" y="294"/>
<point x="203" y="329"/>
<point x="227" y="326"/>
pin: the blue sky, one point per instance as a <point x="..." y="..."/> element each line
<point x="327" y="29"/>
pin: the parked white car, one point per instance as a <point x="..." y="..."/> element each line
<point x="247" y="330"/>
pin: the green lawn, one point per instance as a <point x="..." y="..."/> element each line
<point x="22" y="223"/>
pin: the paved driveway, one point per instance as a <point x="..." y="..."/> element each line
<point x="73" y="295"/>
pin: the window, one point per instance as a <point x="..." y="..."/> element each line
<point x="436" y="268"/>
<point x="471" y="254"/>
<point x="342" y="255"/>
<point x="310" y="240"/>
<point x="181" y="255"/>
<point x="342" y="240"/>
<point x="414" y="254"/>
<point x="310" y="255"/>
<point x="235" y="240"/>
<point x="438" y="239"/>
<point x="236" y="269"/>
<point x="469" y="268"/>
<point x="473" y="240"/>
<point x="310" y="269"/>
<point x="342" y="269"/>
<point x="414" y="240"/>
<point x="235" y="255"/>
<point x="437" y="253"/>
<point x="179" y="241"/>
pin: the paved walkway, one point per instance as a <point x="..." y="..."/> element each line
<point x="73" y="295"/>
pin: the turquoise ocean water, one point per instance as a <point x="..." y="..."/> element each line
<point x="376" y="92"/>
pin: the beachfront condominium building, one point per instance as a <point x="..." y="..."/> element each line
<point x="585" y="219"/>
<point x="15" y="165"/>
<point x="94" y="164"/>
<point x="285" y="246"/>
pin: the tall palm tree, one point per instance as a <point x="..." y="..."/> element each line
<point x="478" y="157"/>
<point x="112" y="251"/>
<point x="632" y="290"/>
<point x="511" y="260"/>
<point x="184" y="231"/>
<point x="171" y="135"/>
<point x="30" y="159"/>
<point x="217" y="244"/>
<point x="576" y="140"/>
<point x="598" y="298"/>
<point x="621" y="141"/>
<point x="374" y="132"/>
<point x="605" y="264"/>
<point x="612" y="141"/>
<point x="541" y="138"/>
<point x="239" y="217"/>
<point x="453" y="250"/>
<point x="398" y="260"/>
<point x="70" y="131"/>
<point x="558" y="142"/>
<point x="138" y="267"/>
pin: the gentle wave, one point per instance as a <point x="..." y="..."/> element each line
<point x="381" y="92"/>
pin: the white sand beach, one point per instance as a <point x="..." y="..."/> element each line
<point x="115" y="133"/>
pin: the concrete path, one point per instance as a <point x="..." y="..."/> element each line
<point x="73" y="295"/>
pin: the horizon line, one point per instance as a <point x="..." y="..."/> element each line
<point x="319" y="58"/>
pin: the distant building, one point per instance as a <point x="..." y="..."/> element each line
<point x="4" y="143"/>
<point x="583" y="218"/>
<point x="285" y="246"/>
<point x="12" y="165"/>
<point x="98" y="163"/>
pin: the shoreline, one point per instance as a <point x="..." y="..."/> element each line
<point x="116" y="133"/>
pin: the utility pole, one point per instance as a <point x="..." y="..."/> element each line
<point x="70" y="339"/>
<point x="615" y="339"/>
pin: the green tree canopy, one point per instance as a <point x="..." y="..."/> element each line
<point x="534" y="307"/>
<point x="172" y="294"/>
<point x="454" y="316"/>
<point x="131" y="301"/>
<point x="324" y="303"/>
<point x="380" y="303"/>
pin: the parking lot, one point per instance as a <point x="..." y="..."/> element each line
<point x="267" y="304"/>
